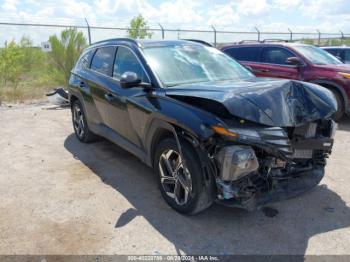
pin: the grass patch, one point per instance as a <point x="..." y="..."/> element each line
<point x="31" y="85"/>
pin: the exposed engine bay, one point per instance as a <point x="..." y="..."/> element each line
<point x="264" y="164"/>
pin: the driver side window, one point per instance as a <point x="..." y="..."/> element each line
<point x="126" y="61"/>
<point x="276" y="55"/>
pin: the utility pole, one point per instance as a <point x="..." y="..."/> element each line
<point x="214" y="35"/>
<point x="161" y="28"/>
<point x="319" y="37"/>
<point x="257" y="30"/>
<point x="88" y="28"/>
<point x="291" y="35"/>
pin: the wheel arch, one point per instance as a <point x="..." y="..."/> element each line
<point x="337" y="88"/>
<point x="72" y="98"/>
<point x="160" y="130"/>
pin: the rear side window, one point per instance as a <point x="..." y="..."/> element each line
<point x="103" y="59"/>
<point x="276" y="55"/>
<point x="347" y="56"/>
<point x="126" y="61"/>
<point x="333" y="51"/>
<point x="336" y="52"/>
<point x="84" y="61"/>
<point x="248" y="53"/>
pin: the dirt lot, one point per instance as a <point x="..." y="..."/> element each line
<point x="59" y="196"/>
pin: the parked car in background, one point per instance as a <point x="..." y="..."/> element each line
<point x="211" y="130"/>
<point x="340" y="52"/>
<point x="296" y="61"/>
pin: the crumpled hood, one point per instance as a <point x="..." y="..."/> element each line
<point x="272" y="102"/>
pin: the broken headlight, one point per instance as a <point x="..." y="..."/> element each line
<point x="236" y="162"/>
<point x="242" y="133"/>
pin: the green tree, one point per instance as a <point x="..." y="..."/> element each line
<point x="32" y="57"/>
<point x="10" y="65"/>
<point x="138" y="28"/>
<point x="66" y="50"/>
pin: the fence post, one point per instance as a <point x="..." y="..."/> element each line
<point x="342" y="36"/>
<point x="161" y="28"/>
<point x="319" y="37"/>
<point x="291" y="35"/>
<point x="257" y="30"/>
<point x="88" y="28"/>
<point x="214" y="35"/>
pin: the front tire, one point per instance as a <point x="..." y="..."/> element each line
<point x="341" y="108"/>
<point x="182" y="185"/>
<point x="80" y="126"/>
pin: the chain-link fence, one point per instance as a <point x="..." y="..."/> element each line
<point x="40" y="32"/>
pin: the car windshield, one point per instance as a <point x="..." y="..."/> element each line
<point x="184" y="64"/>
<point x="317" y="56"/>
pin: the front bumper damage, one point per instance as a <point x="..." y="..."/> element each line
<point x="282" y="190"/>
<point x="285" y="163"/>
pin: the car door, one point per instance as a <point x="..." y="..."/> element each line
<point x="119" y="99"/>
<point x="81" y="80"/>
<point x="100" y="79"/>
<point x="274" y="63"/>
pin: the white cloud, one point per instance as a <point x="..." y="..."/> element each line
<point x="254" y="8"/>
<point x="321" y="8"/>
<point x="286" y="4"/>
<point x="181" y="11"/>
<point x="109" y="7"/>
<point x="239" y="15"/>
<point x="9" y="5"/>
<point x="222" y="15"/>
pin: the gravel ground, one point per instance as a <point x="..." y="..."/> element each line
<point x="59" y="196"/>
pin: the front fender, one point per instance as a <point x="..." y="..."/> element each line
<point x="175" y="115"/>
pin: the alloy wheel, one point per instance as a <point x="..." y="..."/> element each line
<point x="78" y="121"/>
<point x="174" y="177"/>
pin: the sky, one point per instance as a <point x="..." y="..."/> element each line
<point x="240" y="15"/>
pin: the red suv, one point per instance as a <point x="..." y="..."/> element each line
<point x="296" y="61"/>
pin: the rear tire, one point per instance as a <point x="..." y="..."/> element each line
<point x="182" y="186"/>
<point x="80" y="126"/>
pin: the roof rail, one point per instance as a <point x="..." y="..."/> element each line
<point x="274" y="40"/>
<point x="248" y="41"/>
<point x="117" y="39"/>
<point x="199" y="41"/>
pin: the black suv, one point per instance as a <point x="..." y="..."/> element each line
<point x="210" y="129"/>
<point x="341" y="52"/>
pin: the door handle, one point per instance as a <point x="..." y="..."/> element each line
<point x="110" y="97"/>
<point x="82" y="84"/>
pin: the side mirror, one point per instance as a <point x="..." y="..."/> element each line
<point x="129" y="79"/>
<point x="296" y="61"/>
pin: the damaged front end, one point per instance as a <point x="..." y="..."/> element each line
<point x="271" y="139"/>
<point x="257" y="165"/>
